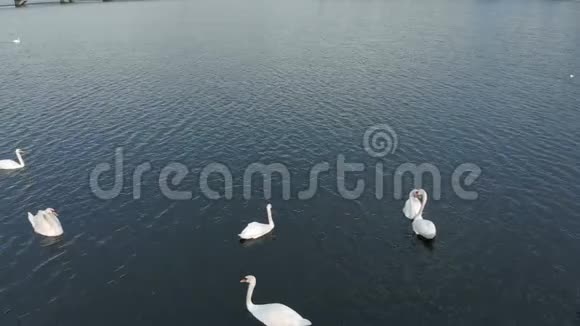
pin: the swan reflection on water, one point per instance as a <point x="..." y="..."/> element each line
<point x="252" y="242"/>
<point x="51" y="241"/>
<point x="429" y="244"/>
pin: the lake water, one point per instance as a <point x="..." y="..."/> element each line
<point x="297" y="83"/>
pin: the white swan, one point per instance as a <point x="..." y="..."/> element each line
<point x="16" y="41"/>
<point x="273" y="314"/>
<point x="412" y="205"/>
<point x="46" y="223"/>
<point x="255" y="230"/>
<point x="12" y="165"/>
<point x="421" y="226"/>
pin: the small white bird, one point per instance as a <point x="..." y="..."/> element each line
<point x="16" y="41"/>
<point x="421" y="226"/>
<point x="412" y="205"/>
<point x="273" y="314"/>
<point x="571" y="75"/>
<point x="12" y="165"/>
<point x="255" y="230"/>
<point x="46" y="223"/>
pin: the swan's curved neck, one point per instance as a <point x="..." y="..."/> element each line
<point x="423" y="204"/>
<point x="20" y="160"/>
<point x="249" y="295"/>
<point x="270" y="220"/>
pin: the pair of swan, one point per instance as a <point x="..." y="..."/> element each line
<point x="46" y="223"/>
<point x="13" y="165"/>
<point x="413" y="210"/>
<point x="273" y="314"/>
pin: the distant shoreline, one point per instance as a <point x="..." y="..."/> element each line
<point x="10" y="3"/>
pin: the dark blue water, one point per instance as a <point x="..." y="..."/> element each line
<point x="296" y="83"/>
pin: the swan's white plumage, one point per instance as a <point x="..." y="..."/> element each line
<point x="424" y="228"/>
<point x="16" y="41"/>
<point x="274" y="314"/>
<point x="412" y="205"/>
<point x="12" y="165"/>
<point x="46" y="223"/>
<point x="255" y="230"/>
<point x="421" y="226"/>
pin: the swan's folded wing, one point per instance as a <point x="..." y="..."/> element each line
<point x="56" y="224"/>
<point x="408" y="209"/>
<point x="279" y="314"/>
<point x="53" y="223"/>
<point x="425" y="228"/>
<point x="254" y="230"/>
<point x="8" y="164"/>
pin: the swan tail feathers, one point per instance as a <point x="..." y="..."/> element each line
<point x="306" y="322"/>
<point x="31" y="218"/>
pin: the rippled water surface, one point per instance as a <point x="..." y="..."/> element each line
<point x="297" y="83"/>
